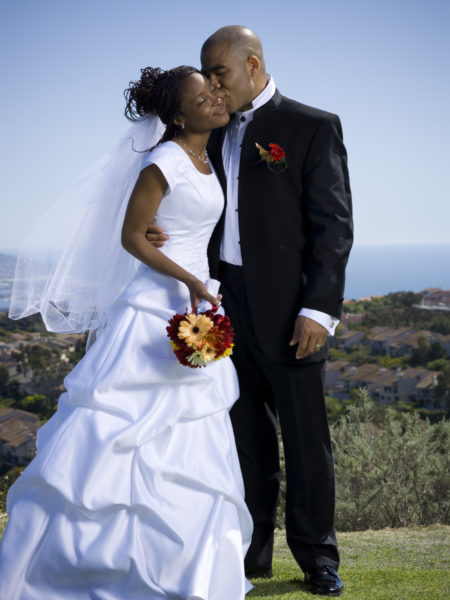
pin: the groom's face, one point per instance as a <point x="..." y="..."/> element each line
<point x="231" y="72"/>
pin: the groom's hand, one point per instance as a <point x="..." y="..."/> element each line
<point x="309" y="335"/>
<point x="156" y="236"/>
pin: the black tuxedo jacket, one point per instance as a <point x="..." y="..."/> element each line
<point x="296" y="226"/>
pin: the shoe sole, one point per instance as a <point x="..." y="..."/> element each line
<point x="331" y="594"/>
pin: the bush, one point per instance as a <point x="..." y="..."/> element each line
<point x="7" y="478"/>
<point x="38" y="404"/>
<point x="392" y="469"/>
<point x="395" y="475"/>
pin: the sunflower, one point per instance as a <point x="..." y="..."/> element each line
<point x="193" y="329"/>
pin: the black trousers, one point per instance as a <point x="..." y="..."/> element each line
<point x="294" y="395"/>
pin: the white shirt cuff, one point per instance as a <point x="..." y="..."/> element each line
<point x="330" y="323"/>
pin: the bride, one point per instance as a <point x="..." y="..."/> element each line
<point x="135" y="491"/>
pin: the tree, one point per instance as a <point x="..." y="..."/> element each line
<point x="80" y="350"/>
<point x="391" y="362"/>
<point x="37" y="404"/>
<point x="436" y="351"/>
<point x="437" y="365"/>
<point x="426" y="352"/>
<point x="6" y="481"/>
<point x="4" y="380"/>
<point x="45" y="366"/>
<point x="404" y="299"/>
<point x="442" y="390"/>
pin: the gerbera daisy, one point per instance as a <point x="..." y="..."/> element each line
<point x="193" y="329"/>
<point x="208" y="353"/>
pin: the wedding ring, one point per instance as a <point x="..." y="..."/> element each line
<point x="318" y="346"/>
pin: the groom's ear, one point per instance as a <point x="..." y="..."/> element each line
<point x="253" y="65"/>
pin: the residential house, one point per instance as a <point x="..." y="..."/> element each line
<point x="425" y="391"/>
<point x="351" y="376"/>
<point x="18" y="430"/>
<point x="435" y="299"/>
<point x="333" y="372"/>
<point x="386" y="340"/>
<point x="386" y="386"/>
<point x="444" y="340"/>
<point x="348" y="338"/>
<point x="409" y="341"/>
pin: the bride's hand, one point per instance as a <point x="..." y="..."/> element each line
<point x="198" y="292"/>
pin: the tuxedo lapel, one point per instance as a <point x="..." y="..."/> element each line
<point x="260" y="119"/>
<point x="266" y="108"/>
<point x="215" y="154"/>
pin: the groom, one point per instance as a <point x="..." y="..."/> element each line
<point x="280" y="251"/>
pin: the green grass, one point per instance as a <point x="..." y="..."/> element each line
<point x="390" y="564"/>
<point x="3" y="520"/>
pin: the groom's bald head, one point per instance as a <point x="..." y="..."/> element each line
<point x="233" y="59"/>
<point x="239" y="39"/>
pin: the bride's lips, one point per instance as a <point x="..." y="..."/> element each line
<point x="220" y="110"/>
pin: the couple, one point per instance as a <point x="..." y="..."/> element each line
<point x="136" y="490"/>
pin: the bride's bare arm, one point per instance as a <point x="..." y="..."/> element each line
<point x="142" y="206"/>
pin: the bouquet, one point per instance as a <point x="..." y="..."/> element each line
<point x="198" y="339"/>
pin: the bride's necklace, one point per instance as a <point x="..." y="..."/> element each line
<point x="198" y="156"/>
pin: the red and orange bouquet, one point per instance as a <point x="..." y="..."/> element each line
<point x="198" y="339"/>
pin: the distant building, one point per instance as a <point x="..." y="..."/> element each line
<point x="424" y="392"/>
<point x="403" y="340"/>
<point x="435" y="299"/>
<point x="385" y="386"/>
<point x="444" y="341"/>
<point x="18" y="430"/>
<point x="351" y="318"/>
<point x="348" y="338"/>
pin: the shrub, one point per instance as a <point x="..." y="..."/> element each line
<point x="393" y="475"/>
<point x="6" y="480"/>
<point x="392" y="469"/>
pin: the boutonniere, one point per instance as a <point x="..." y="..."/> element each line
<point x="275" y="157"/>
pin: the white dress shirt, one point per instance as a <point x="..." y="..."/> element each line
<point x="230" y="250"/>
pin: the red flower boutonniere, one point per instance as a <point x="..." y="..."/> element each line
<point x="275" y="157"/>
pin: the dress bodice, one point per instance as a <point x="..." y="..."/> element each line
<point x="190" y="208"/>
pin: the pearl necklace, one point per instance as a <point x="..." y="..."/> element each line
<point x="205" y="162"/>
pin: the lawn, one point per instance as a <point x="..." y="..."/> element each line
<point x="390" y="564"/>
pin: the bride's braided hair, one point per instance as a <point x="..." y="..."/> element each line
<point x="157" y="92"/>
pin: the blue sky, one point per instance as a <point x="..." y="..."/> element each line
<point x="381" y="65"/>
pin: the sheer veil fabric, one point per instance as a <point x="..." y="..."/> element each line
<point x="71" y="266"/>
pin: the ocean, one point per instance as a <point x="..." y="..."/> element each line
<point x="375" y="270"/>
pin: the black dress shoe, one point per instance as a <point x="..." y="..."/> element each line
<point x="324" y="581"/>
<point x="258" y="573"/>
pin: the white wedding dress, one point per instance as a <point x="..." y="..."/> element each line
<point x="136" y="490"/>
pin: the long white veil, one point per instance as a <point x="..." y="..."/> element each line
<point x="71" y="266"/>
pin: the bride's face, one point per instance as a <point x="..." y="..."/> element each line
<point x="201" y="109"/>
